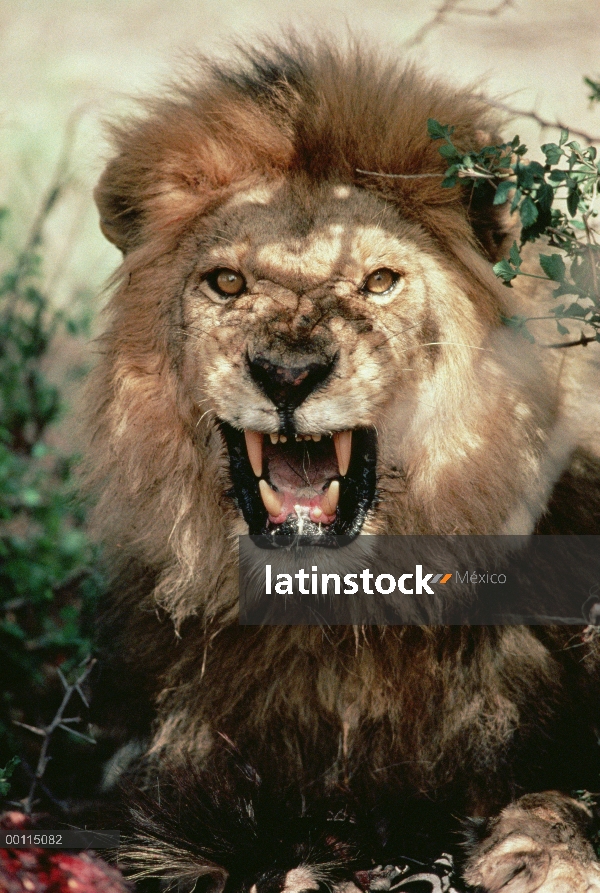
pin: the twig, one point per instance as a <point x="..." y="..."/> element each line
<point x="33" y="729"/>
<point x="543" y="122"/>
<point x="453" y="6"/>
<point x="398" y="176"/>
<point x="61" y="804"/>
<point x="59" y="722"/>
<point x="449" y="7"/>
<point x="585" y="339"/>
<point x="438" y="19"/>
<point x="485" y="13"/>
<point x="467" y="173"/>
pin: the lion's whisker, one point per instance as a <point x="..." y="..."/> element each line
<point x="208" y="412"/>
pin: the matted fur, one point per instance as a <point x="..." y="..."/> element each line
<point x="259" y="165"/>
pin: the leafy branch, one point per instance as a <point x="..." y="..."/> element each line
<point x="49" y="582"/>
<point x="556" y="201"/>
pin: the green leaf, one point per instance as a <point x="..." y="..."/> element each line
<point x="519" y="323"/>
<point x="552" y="152"/>
<point x="502" y="191"/>
<point x="504" y="271"/>
<point x="514" y="255"/>
<point x="449" y="182"/>
<point x="573" y="202"/>
<point x="594" y="86"/>
<point x="545" y="196"/>
<point x="536" y="170"/>
<point x="577" y="310"/>
<point x="564" y="136"/>
<point x="513" y="322"/>
<point x="448" y="151"/>
<point x="516" y="199"/>
<point x="527" y="334"/>
<point x="562" y="330"/>
<point x="528" y="212"/>
<point x="438" y="131"/>
<point x="553" y="266"/>
<point x="565" y="288"/>
<point x="524" y="175"/>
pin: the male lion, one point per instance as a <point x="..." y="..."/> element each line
<point x="300" y="341"/>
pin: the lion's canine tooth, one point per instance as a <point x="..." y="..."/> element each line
<point x="343" y="448"/>
<point x="254" y="446"/>
<point x="272" y="501"/>
<point x="329" y="502"/>
<point x="274" y="438"/>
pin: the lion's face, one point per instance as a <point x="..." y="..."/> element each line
<point x="311" y="323"/>
<point x="297" y="345"/>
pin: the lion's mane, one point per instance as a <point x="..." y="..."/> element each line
<point x="464" y="712"/>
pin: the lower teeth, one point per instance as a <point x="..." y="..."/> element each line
<point x="271" y="500"/>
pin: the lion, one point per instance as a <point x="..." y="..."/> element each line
<point x="306" y="334"/>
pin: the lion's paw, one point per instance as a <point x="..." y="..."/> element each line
<point x="536" y="845"/>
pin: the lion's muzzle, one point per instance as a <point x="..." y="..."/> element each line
<point x="288" y="385"/>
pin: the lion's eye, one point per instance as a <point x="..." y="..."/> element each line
<point x="227" y="283"/>
<point x="380" y="281"/>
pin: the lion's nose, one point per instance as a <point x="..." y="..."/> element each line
<point x="289" y="386"/>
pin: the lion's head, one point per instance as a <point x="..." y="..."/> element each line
<point x="306" y="333"/>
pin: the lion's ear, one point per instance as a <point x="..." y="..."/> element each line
<point x="120" y="218"/>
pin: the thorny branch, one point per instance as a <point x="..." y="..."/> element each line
<point x="59" y="722"/>
<point x="453" y="6"/>
<point x="544" y="123"/>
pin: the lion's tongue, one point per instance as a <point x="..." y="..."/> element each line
<point x="302" y="478"/>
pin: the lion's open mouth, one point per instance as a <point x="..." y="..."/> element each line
<point x="303" y="484"/>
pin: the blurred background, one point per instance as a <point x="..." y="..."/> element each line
<point x="65" y="66"/>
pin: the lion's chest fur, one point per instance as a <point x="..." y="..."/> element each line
<point x="425" y="710"/>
